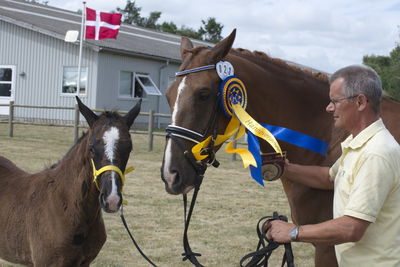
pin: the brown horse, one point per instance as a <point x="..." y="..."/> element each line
<point x="278" y="94"/>
<point x="53" y="218"/>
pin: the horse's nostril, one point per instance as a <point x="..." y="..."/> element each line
<point x="176" y="179"/>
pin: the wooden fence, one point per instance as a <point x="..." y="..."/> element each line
<point x="76" y="122"/>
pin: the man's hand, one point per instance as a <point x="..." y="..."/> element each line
<point x="278" y="231"/>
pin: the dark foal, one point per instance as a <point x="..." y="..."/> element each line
<point x="53" y="218"/>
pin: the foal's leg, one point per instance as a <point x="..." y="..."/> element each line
<point x="66" y="257"/>
<point x="94" y="241"/>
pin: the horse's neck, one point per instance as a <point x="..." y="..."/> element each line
<point x="73" y="176"/>
<point x="283" y="97"/>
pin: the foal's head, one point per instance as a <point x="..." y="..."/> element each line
<point x="193" y="99"/>
<point x="110" y="145"/>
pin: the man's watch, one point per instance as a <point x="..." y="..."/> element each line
<point x="294" y="233"/>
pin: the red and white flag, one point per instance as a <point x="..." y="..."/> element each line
<point x="102" y="25"/>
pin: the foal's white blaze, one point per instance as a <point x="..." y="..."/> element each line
<point x="168" y="154"/>
<point x="110" y="139"/>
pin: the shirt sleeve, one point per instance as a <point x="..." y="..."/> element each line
<point x="333" y="170"/>
<point x="373" y="182"/>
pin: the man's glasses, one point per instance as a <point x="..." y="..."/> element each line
<point x="338" y="100"/>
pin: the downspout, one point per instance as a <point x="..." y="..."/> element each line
<point x="159" y="86"/>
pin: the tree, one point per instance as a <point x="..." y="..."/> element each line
<point x="210" y="30"/>
<point x="151" y="21"/>
<point x="388" y="68"/>
<point x="131" y="13"/>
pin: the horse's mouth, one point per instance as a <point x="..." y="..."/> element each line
<point x="177" y="189"/>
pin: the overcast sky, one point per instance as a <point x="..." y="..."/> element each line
<point x="325" y="35"/>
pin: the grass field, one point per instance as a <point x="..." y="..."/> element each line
<point x="224" y="221"/>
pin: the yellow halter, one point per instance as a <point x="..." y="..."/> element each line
<point x="96" y="173"/>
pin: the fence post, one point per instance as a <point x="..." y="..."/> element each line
<point x="76" y="123"/>
<point x="150" y="130"/>
<point x="10" y="119"/>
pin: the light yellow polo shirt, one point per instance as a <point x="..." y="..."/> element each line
<point x="367" y="186"/>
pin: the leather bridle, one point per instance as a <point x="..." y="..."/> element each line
<point x="177" y="133"/>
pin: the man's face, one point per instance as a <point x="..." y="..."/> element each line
<point x="342" y="108"/>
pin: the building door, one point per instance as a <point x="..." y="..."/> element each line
<point x="7" y="85"/>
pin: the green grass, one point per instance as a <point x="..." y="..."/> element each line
<point x="224" y="220"/>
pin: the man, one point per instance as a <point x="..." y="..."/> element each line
<point x="365" y="179"/>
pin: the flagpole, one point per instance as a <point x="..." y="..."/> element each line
<point x="80" y="48"/>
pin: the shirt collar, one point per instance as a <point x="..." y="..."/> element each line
<point x="363" y="136"/>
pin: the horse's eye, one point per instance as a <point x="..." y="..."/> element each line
<point x="204" y="95"/>
<point x="92" y="150"/>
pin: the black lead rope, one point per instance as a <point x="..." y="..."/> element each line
<point x="260" y="257"/>
<point x="189" y="254"/>
<point x="133" y="240"/>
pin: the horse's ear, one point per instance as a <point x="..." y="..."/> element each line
<point x="221" y="49"/>
<point x="186" y="45"/>
<point x="89" y="115"/>
<point x="133" y="113"/>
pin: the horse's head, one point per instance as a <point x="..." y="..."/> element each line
<point x="109" y="147"/>
<point x="194" y="102"/>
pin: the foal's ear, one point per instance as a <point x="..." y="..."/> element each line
<point x="186" y="45"/>
<point x="89" y="115"/>
<point x="133" y="113"/>
<point x="221" y="49"/>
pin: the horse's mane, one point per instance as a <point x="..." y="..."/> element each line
<point x="261" y="59"/>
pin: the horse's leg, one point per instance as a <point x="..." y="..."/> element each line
<point x="325" y="256"/>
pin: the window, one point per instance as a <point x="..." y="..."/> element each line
<point x="5" y="82"/>
<point x="125" y="84"/>
<point x="147" y="84"/>
<point x="132" y="85"/>
<point x="70" y="77"/>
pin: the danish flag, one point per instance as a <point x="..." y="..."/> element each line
<point x="102" y="25"/>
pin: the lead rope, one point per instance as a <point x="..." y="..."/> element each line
<point x="260" y="257"/>
<point x="189" y="254"/>
<point x="133" y="240"/>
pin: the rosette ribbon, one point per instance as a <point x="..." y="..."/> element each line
<point x="234" y="102"/>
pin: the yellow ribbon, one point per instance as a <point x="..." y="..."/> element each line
<point x="232" y="128"/>
<point x="245" y="154"/>
<point x="256" y="128"/>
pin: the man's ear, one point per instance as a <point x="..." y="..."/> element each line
<point x="362" y="102"/>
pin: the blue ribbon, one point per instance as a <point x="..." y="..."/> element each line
<point x="298" y="139"/>
<point x="254" y="148"/>
<point x="286" y="135"/>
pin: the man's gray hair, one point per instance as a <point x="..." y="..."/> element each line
<point x="361" y="79"/>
